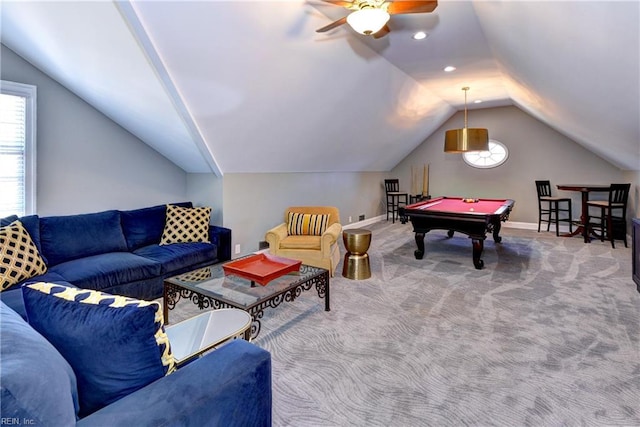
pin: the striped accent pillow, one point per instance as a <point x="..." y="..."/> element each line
<point x="299" y="224"/>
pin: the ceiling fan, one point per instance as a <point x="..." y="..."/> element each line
<point x="370" y="17"/>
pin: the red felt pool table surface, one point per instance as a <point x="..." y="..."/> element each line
<point x="458" y="205"/>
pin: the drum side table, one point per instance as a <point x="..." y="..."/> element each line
<point x="356" y="260"/>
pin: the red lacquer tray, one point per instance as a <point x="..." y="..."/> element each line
<point x="261" y="268"/>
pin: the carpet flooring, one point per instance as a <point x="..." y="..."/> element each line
<point x="547" y="334"/>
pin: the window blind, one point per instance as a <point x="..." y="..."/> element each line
<point x="12" y="154"/>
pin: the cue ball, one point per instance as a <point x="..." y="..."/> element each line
<point x="471" y="209"/>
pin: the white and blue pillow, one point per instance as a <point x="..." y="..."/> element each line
<point x="115" y="345"/>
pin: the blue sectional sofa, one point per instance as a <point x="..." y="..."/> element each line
<point x="230" y="386"/>
<point x="117" y="252"/>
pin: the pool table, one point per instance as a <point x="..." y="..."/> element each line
<point x="473" y="217"/>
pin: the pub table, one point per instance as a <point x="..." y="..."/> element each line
<point x="584" y="189"/>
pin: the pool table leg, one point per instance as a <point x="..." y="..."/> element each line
<point x="419" y="253"/>
<point x="496" y="230"/>
<point x="478" y="246"/>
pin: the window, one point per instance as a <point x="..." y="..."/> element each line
<point x="494" y="157"/>
<point x="17" y="149"/>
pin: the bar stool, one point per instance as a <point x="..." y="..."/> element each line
<point x="551" y="207"/>
<point x="395" y="197"/>
<point x="613" y="214"/>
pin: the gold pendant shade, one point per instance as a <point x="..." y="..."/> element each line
<point x="466" y="139"/>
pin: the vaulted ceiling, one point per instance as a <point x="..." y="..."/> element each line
<point x="249" y="86"/>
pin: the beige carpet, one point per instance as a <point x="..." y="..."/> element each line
<point x="547" y="334"/>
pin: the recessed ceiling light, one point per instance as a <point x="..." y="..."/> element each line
<point x="477" y="101"/>
<point x="420" y="35"/>
<point x="449" y="68"/>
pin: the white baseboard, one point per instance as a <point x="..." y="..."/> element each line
<point x="524" y="225"/>
<point x="534" y="226"/>
<point x="363" y="223"/>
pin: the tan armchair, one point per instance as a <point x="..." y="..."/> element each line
<point x="320" y="251"/>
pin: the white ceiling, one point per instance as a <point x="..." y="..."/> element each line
<point x="249" y="86"/>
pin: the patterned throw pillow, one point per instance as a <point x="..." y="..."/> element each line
<point x="19" y="257"/>
<point x="115" y="345"/>
<point x="299" y="224"/>
<point x="185" y="225"/>
<point x="199" y="275"/>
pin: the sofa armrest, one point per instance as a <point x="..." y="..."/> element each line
<point x="230" y="386"/>
<point x="221" y="237"/>
<point x="275" y="235"/>
<point x="329" y="237"/>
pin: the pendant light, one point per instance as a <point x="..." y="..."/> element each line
<point x="466" y="139"/>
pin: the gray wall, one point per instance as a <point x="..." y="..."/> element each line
<point x="254" y="203"/>
<point x="85" y="161"/>
<point x="250" y="204"/>
<point x="536" y="151"/>
<point x="205" y="189"/>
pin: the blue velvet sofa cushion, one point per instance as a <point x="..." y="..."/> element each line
<point x="143" y="227"/>
<point x="13" y="299"/>
<point x="8" y="220"/>
<point x="228" y="387"/>
<point x="179" y="255"/>
<point x="37" y="383"/>
<point x="32" y="224"/>
<point x="107" y="270"/>
<point x="65" y="238"/>
<point x="13" y="296"/>
<point x="115" y="345"/>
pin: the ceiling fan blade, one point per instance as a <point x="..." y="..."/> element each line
<point x="383" y="32"/>
<point x="333" y="25"/>
<point x="411" y="6"/>
<point x="342" y="3"/>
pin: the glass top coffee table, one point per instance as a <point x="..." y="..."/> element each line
<point x="208" y="287"/>
<point x="192" y="337"/>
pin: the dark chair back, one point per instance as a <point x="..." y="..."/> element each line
<point x="544" y="188"/>
<point x="616" y="215"/>
<point x="392" y="185"/>
<point x="619" y="194"/>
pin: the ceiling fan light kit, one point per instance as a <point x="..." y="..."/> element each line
<point x="368" y="20"/>
<point x="370" y="17"/>
<point x="466" y="139"/>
